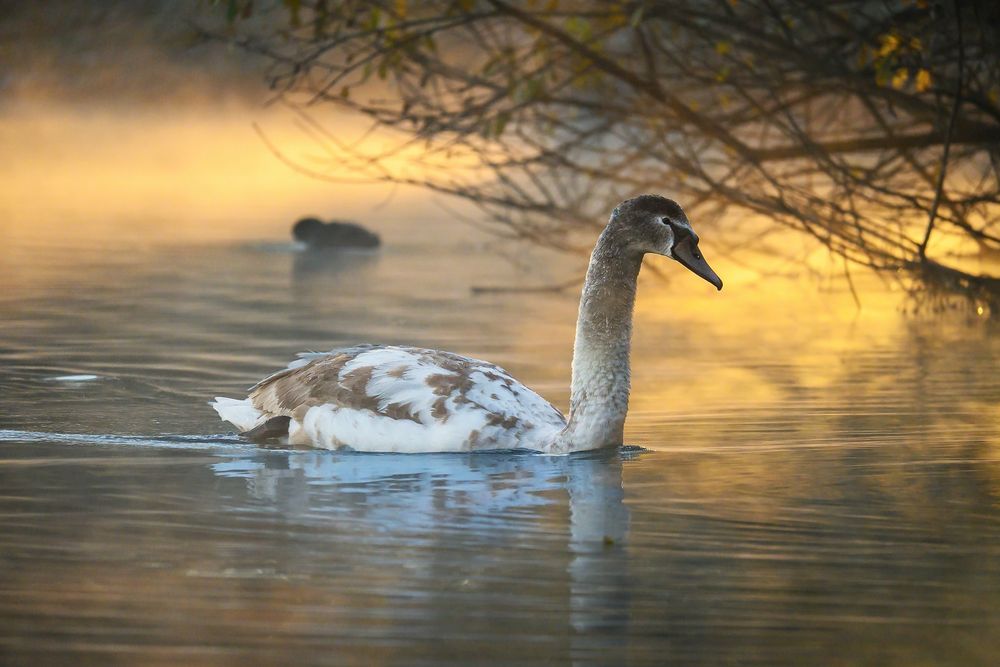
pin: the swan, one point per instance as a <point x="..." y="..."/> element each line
<point x="334" y="234"/>
<point x="388" y="398"/>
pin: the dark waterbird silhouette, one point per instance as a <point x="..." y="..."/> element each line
<point x="334" y="234"/>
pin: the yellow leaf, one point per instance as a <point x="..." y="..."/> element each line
<point x="922" y="81"/>
<point x="916" y="44"/>
<point x="900" y="78"/>
<point x="401" y="8"/>
<point x="890" y="43"/>
<point x="722" y="48"/>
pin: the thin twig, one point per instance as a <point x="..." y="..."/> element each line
<point x="850" y="283"/>
<point x="939" y="189"/>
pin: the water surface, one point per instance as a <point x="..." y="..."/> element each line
<point x="807" y="483"/>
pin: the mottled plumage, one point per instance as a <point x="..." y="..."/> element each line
<point x="386" y="398"/>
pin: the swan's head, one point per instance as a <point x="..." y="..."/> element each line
<point x="306" y="229"/>
<point x="654" y="224"/>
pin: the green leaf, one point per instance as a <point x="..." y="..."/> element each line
<point x="293" y="11"/>
<point x="579" y="28"/>
<point x="637" y="16"/>
<point x="527" y="90"/>
<point x="883" y="72"/>
<point x="500" y="122"/>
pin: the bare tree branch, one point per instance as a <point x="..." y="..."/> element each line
<point x="821" y="118"/>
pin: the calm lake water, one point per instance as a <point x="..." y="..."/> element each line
<point x="806" y="483"/>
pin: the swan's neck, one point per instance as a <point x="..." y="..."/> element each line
<point x="599" y="394"/>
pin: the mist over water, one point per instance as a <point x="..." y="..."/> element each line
<point x="808" y="483"/>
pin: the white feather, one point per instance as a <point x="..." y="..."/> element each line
<point x="240" y="413"/>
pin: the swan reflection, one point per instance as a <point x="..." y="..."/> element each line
<point x="475" y="506"/>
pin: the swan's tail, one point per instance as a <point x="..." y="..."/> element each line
<point x="240" y="413"/>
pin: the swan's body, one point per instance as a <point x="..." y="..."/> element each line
<point x="403" y="399"/>
<point x="393" y="399"/>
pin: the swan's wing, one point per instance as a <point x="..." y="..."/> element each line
<point x="303" y="358"/>
<point x="400" y="398"/>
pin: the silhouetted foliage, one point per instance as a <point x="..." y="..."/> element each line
<point x="873" y="127"/>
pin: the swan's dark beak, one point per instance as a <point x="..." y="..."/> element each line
<point x="686" y="252"/>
